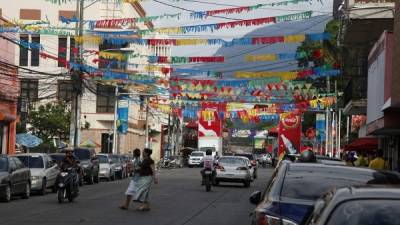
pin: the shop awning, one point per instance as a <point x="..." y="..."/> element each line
<point x="362" y="144"/>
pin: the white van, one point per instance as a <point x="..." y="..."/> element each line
<point x="195" y="158"/>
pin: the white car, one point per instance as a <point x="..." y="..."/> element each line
<point x="44" y="171"/>
<point x="233" y="169"/>
<point x="107" y="167"/>
<point x="196" y="158"/>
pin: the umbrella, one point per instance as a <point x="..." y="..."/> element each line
<point x="28" y="140"/>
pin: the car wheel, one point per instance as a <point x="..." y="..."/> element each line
<point x="43" y="188"/>
<point x="7" y="194"/>
<point x="246" y="183"/>
<point x="27" y="191"/>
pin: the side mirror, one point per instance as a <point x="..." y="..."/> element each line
<point x="255" y="198"/>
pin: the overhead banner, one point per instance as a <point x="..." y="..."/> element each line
<point x="289" y="133"/>
<point x="209" y="124"/>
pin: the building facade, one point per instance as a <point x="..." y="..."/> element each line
<point x="9" y="93"/>
<point x="98" y="100"/>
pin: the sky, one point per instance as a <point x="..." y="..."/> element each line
<point x="322" y="10"/>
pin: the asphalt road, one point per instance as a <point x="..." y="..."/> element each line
<point x="178" y="199"/>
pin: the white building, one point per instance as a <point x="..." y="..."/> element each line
<point x="97" y="103"/>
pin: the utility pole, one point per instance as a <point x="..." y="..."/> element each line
<point x="115" y="145"/>
<point x="77" y="82"/>
<point x="147" y="145"/>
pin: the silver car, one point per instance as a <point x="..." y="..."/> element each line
<point x="43" y="171"/>
<point x="107" y="167"/>
<point x="233" y="169"/>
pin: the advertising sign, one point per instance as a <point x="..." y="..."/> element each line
<point x="210" y="126"/>
<point x="123" y="110"/>
<point x="289" y="133"/>
<point x="320" y="127"/>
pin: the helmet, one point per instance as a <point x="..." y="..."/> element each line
<point x="208" y="152"/>
<point x="307" y="156"/>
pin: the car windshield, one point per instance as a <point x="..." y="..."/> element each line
<point x="32" y="161"/>
<point x="3" y="164"/>
<point x="319" y="180"/>
<point x="82" y="154"/>
<point x="102" y="158"/>
<point x="115" y="159"/>
<point x="197" y="154"/>
<point x="231" y="161"/>
<point x="366" y="212"/>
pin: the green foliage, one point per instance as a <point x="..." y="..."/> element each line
<point x="49" y="121"/>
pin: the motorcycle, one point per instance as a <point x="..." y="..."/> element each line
<point x="66" y="189"/>
<point x="208" y="176"/>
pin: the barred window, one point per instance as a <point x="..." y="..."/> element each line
<point x="29" y="89"/>
<point x="105" y="99"/>
<point x="65" y="90"/>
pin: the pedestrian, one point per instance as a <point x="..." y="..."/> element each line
<point x="131" y="191"/>
<point x="361" y="160"/>
<point x="147" y="176"/>
<point x="378" y="163"/>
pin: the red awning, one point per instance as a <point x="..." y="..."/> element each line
<point x="362" y="144"/>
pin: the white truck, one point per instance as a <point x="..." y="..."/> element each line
<point x="215" y="143"/>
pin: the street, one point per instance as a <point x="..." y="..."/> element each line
<point x="178" y="199"/>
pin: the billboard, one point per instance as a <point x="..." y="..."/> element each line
<point x="289" y="133"/>
<point x="122" y="111"/>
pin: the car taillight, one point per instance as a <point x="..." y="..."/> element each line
<point x="268" y="220"/>
<point x="241" y="168"/>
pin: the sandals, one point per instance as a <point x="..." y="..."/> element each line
<point x="123" y="207"/>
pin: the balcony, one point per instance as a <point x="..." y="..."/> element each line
<point x="363" y="21"/>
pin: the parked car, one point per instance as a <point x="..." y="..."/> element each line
<point x="15" y="178"/>
<point x="195" y="158"/>
<point x="107" y="167"/>
<point x="129" y="164"/>
<point x="119" y="166"/>
<point x="233" y="169"/>
<point x="358" y="206"/>
<point x="253" y="161"/>
<point x="290" y="194"/>
<point x="43" y="171"/>
<point x="90" y="164"/>
<point x="58" y="158"/>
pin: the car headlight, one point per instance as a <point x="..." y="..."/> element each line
<point x="60" y="185"/>
<point x="118" y="168"/>
<point x="35" y="178"/>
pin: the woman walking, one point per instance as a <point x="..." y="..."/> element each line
<point x="147" y="176"/>
<point x="131" y="191"/>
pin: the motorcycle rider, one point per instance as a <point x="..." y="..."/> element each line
<point x="208" y="164"/>
<point x="70" y="162"/>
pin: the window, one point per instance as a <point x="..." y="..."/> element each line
<point x="35" y="51"/>
<point x="366" y="212"/>
<point x="65" y="90"/>
<point x="62" y="51"/>
<point x="30" y="14"/>
<point x="29" y="89"/>
<point x="105" y="99"/>
<point x="23" y="52"/>
<point x="32" y="161"/>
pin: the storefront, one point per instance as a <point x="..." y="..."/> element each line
<point x="8" y="116"/>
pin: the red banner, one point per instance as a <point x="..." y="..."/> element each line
<point x="289" y="133"/>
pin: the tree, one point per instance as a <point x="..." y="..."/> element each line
<point x="49" y="121"/>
